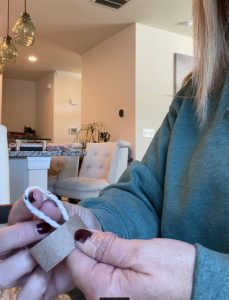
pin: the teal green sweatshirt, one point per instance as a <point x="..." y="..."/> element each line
<point x="180" y="190"/>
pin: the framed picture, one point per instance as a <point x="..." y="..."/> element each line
<point x="183" y="64"/>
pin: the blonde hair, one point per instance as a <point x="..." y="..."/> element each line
<point x="211" y="50"/>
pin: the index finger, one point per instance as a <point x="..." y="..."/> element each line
<point x="19" y="235"/>
<point x="19" y="211"/>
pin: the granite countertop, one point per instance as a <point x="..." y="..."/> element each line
<point x="22" y="154"/>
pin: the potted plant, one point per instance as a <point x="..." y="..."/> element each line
<point x="104" y="136"/>
<point x="91" y="133"/>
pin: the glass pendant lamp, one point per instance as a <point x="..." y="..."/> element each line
<point x="24" y="31"/>
<point x="1" y="67"/>
<point x="8" y="51"/>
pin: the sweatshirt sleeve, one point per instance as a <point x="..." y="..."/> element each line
<point x="211" y="276"/>
<point x="132" y="207"/>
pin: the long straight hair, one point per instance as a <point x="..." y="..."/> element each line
<point x="211" y="50"/>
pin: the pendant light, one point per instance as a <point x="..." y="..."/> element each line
<point x="1" y="67"/>
<point x="24" y="30"/>
<point x="8" y="51"/>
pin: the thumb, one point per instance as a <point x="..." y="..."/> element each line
<point x="97" y="255"/>
<point x="105" y="247"/>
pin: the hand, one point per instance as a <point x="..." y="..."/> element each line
<point x="14" y="264"/>
<point x="20" y="213"/>
<point x="39" y="285"/>
<point x="107" y="266"/>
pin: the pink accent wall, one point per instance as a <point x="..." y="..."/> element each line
<point x="45" y="106"/>
<point x="108" y="85"/>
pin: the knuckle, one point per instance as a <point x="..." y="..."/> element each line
<point x="21" y="234"/>
<point x="25" y="233"/>
<point x="105" y="241"/>
<point x="9" y="238"/>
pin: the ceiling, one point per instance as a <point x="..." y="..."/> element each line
<point x="68" y="28"/>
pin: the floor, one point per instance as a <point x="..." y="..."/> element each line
<point x="10" y="294"/>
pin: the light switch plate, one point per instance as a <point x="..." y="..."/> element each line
<point x="148" y="132"/>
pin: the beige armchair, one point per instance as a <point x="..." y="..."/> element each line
<point x="63" y="167"/>
<point x="103" y="164"/>
<point x="4" y="167"/>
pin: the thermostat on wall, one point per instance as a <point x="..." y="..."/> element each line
<point x="73" y="102"/>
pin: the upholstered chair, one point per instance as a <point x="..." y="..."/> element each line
<point x="63" y="167"/>
<point x="103" y="164"/>
<point x="4" y="167"/>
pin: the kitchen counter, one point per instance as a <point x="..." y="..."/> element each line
<point x="23" y="154"/>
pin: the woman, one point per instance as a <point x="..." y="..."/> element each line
<point x="174" y="204"/>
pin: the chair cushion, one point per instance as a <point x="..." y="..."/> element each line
<point x="96" y="164"/>
<point x="79" y="187"/>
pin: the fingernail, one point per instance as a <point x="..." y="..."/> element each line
<point x="31" y="197"/>
<point x="44" y="228"/>
<point x="82" y="235"/>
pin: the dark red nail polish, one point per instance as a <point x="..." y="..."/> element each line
<point x="44" y="228"/>
<point x="31" y="198"/>
<point x="82" y="235"/>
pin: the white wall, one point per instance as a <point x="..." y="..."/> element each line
<point x="67" y="87"/>
<point x="108" y="84"/>
<point x="18" y="104"/>
<point x="54" y="114"/>
<point x="155" y="50"/>
<point x="44" y="106"/>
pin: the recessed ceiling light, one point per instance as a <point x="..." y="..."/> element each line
<point x="32" y="58"/>
<point x="186" y="23"/>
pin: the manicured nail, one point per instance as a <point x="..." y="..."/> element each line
<point x="44" y="228"/>
<point x="31" y="197"/>
<point x="82" y="235"/>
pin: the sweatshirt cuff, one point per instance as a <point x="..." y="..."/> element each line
<point x="108" y="218"/>
<point x="211" y="276"/>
